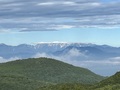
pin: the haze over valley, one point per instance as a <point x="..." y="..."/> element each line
<point x="101" y="59"/>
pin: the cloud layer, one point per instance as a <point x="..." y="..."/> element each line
<point x="42" y="15"/>
<point x="111" y="65"/>
<point x="3" y="60"/>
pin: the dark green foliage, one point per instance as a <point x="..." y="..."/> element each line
<point x="49" y="74"/>
<point x="111" y="83"/>
<point x="49" y="70"/>
<point x="109" y="87"/>
<point x="66" y="87"/>
<point x="11" y="82"/>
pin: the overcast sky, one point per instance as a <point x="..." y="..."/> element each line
<point x="85" y="21"/>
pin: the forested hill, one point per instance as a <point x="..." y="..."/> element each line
<point x="30" y="74"/>
<point x="111" y="83"/>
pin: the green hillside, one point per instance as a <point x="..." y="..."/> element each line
<point x="31" y="74"/>
<point x="67" y="86"/>
<point x="50" y="74"/>
<point x="111" y="83"/>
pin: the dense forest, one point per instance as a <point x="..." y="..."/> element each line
<point x="50" y="74"/>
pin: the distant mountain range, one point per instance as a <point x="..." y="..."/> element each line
<point x="79" y="54"/>
<point x="58" y="49"/>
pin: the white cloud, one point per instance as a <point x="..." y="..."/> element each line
<point x="115" y="58"/>
<point x="75" y="52"/>
<point x="60" y="27"/>
<point x="13" y="4"/>
<point x="96" y="4"/>
<point x="103" y="62"/>
<point x="69" y="3"/>
<point x="6" y="0"/>
<point x="46" y="3"/>
<point x="38" y="55"/>
<point x="51" y="14"/>
<point x="2" y="30"/>
<point x="3" y="60"/>
<point x="57" y="3"/>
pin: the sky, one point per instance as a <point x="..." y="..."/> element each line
<point x="84" y="21"/>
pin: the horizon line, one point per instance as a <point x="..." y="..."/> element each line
<point x="57" y="42"/>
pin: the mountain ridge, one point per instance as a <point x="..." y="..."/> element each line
<point x="30" y="74"/>
<point x="46" y="64"/>
<point x="8" y="51"/>
<point x="81" y="54"/>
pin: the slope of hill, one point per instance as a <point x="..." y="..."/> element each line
<point x="30" y="74"/>
<point x="19" y="82"/>
<point x="66" y="86"/>
<point x="111" y="83"/>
